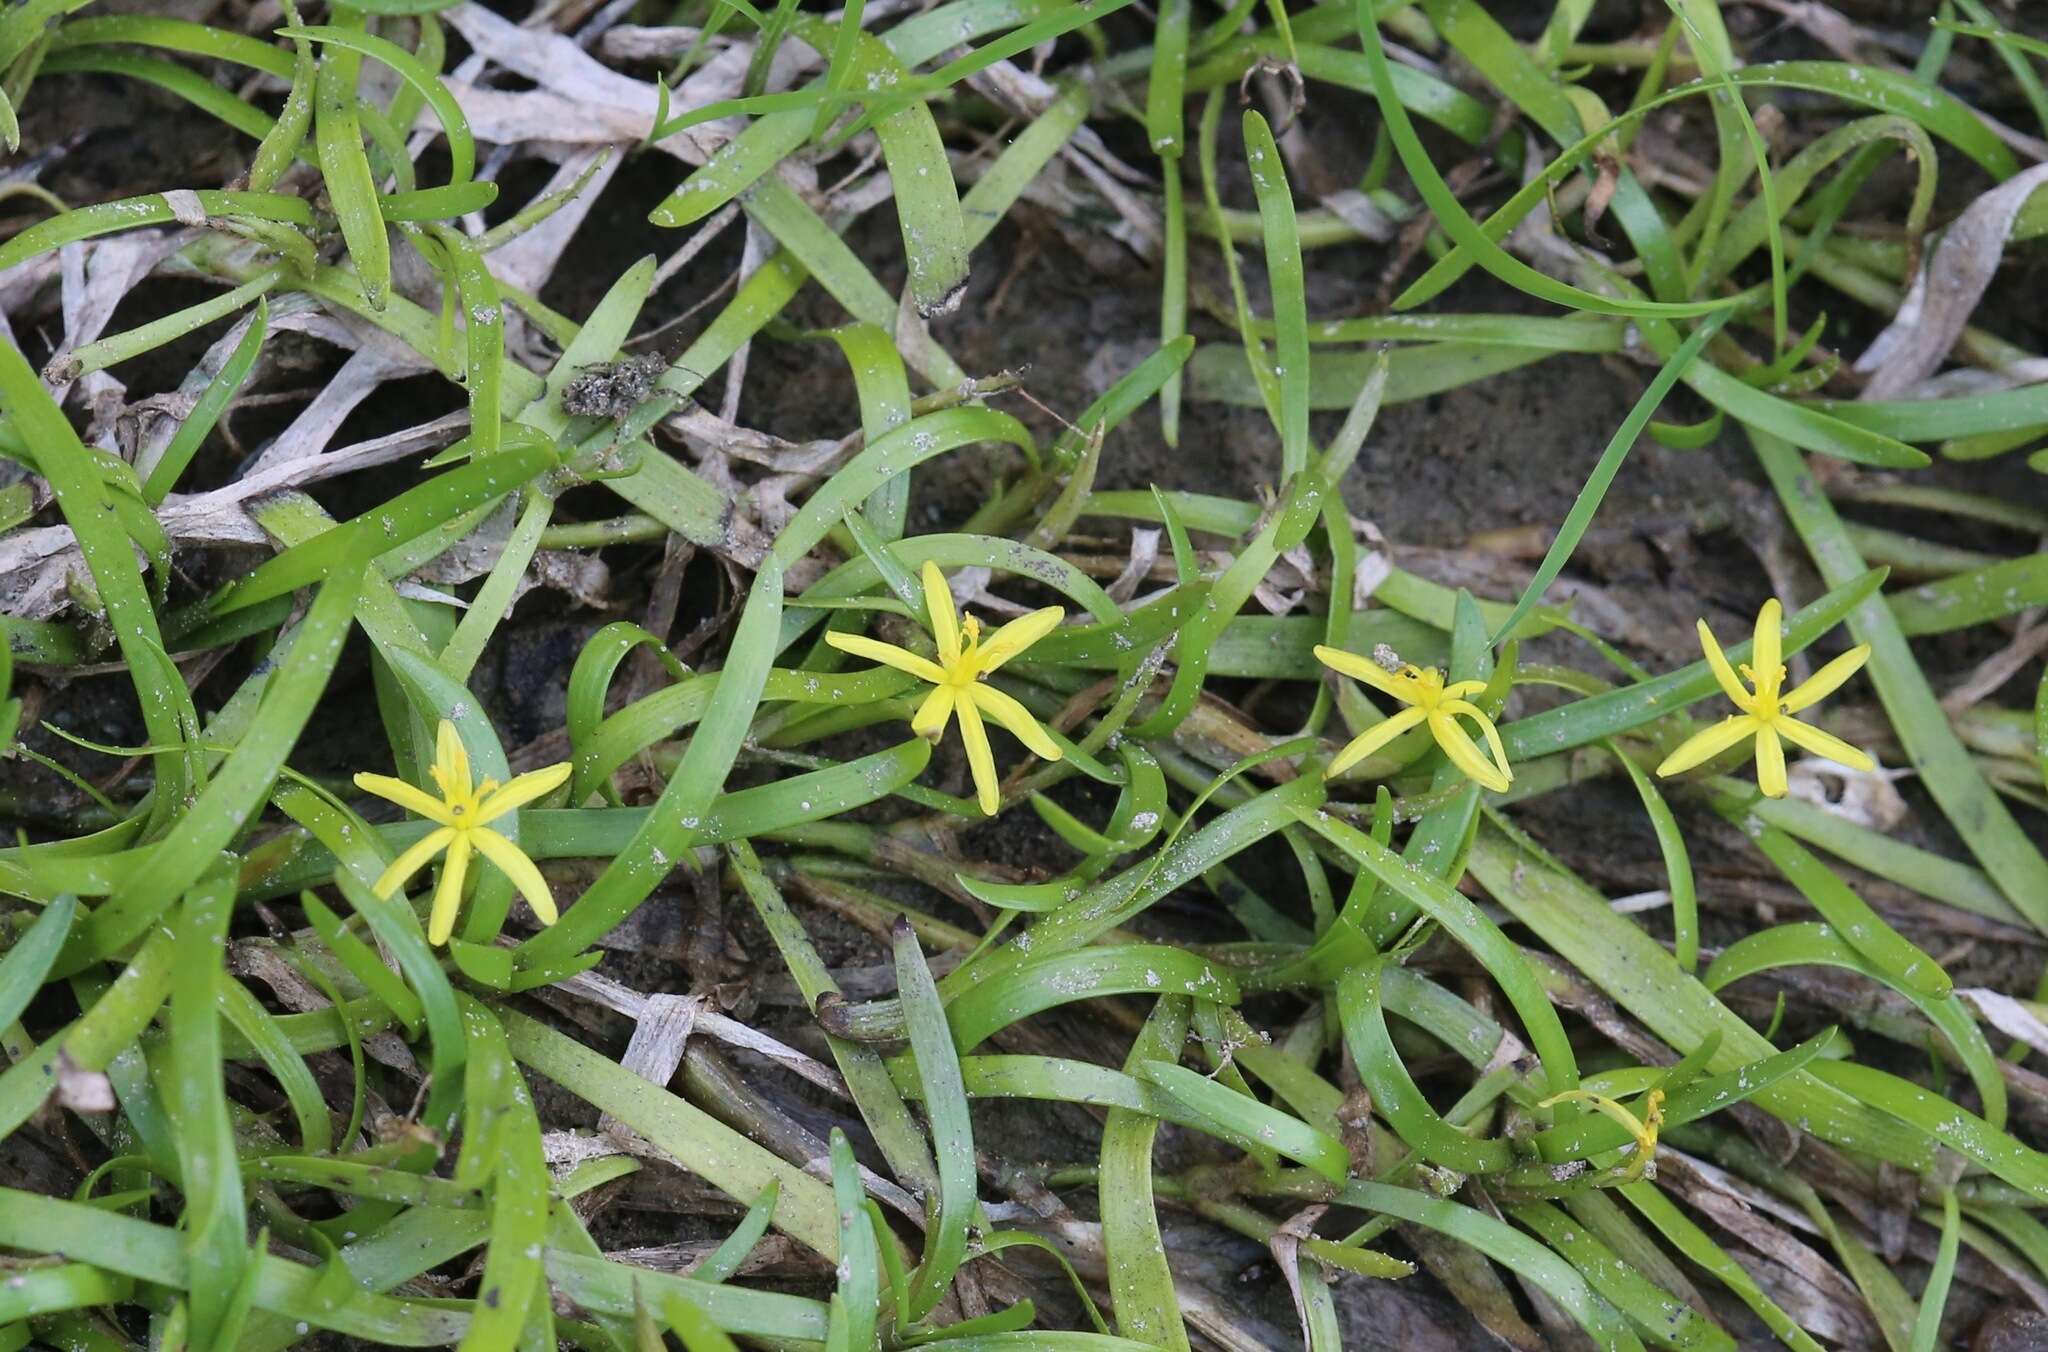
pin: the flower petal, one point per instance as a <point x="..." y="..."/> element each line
<point x="1827" y="680"/>
<point x="938" y="606"/>
<point x="980" y="759"/>
<point x="930" y="720"/>
<point x="1458" y="745"/>
<point x="1704" y="745"/>
<point x="522" y="790"/>
<point x="1492" y="733"/>
<point x="1770" y="763"/>
<point x="1365" y="669"/>
<point x="1717" y="662"/>
<point x="888" y="654"/>
<point x="1463" y="689"/>
<point x="451" y="758"/>
<point x="410" y="797"/>
<point x="448" y="896"/>
<point x="1014" y="716"/>
<point x="513" y="863"/>
<point x="1810" y="738"/>
<point x="1019" y="634"/>
<point x="1372" y="739"/>
<point x="1767" y="653"/>
<point x="412" y="861"/>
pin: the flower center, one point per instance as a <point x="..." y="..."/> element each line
<point x="967" y="670"/>
<point x="1769" y="701"/>
<point x="1428" y="685"/>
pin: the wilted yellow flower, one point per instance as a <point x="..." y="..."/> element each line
<point x="1767" y="710"/>
<point x="1429" y="701"/>
<point x="463" y="814"/>
<point x="1644" y="1130"/>
<point x="958" y="679"/>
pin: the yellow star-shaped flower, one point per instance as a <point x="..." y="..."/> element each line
<point x="959" y="679"/>
<point x="1429" y="701"/>
<point x="463" y="814"/>
<point x="1767" y="709"/>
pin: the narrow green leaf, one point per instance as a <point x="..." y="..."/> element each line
<point x="672" y="826"/>
<point x="1141" y="1286"/>
<point x="345" y="168"/>
<point x="945" y="1105"/>
<point x="216" y="1242"/>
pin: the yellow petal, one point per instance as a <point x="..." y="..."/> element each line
<point x="448" y="896"/>
<point x="412" y="799"/>
<point x="521" y="791"/>
<point x="1493" y="743"/>
<point x="1365" y="669"/>
<point x="1014" y="716"/>
<point x="888" y="654"/>
<point x="1463" y="689"/>
<point x="1717" y="662"/>
<point x="451" y="758"/>
<point x="1372" y="739"/>
<point x="980" y="759"/>
<point x="938" y="606"/>
<point x="513" y="863"/>
<point x="1820" y="743"/>
<point x="412" y="861"/>
<point x="930" y="720"/>
<point x="1703" y="746"/>
<point x="1019" y="634"/>
<point x="1828" y="679"/>
<point x="1767" y="653"/>
<point x="1645" y="1134"/>
<point x="1458" y="745"/>
<point x="1770" y="763"/>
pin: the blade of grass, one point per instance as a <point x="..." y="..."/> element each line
<point x="81" y="495"/>
<point x="1685" y="905"/>
<point x="881" y="1106"/>
<point x="501" y="1139"/>
<point x="1450" y="213"/>
<point x="1934" y="1298"/>
<point x="1580" y="517"/>
<point x="192" y="432"/>
<point x="1289" y="288"/>
<point x="1901" y="960"/>
<point x="1505" y="1245"/>
<point x="28" y="962"/>
<point x="1634" y="970"/>
<point x="1245" y="1118"/>
<point x="856" y="1304"/>
<point x="407" y="67"/>
<point x="220" y="813"/>
<point x="805" y="1208"/>
<point x="398" y="930"/>
<point x="1464" y="922"/>
<point x="216" y="1242"/>
<point x="671" y="828"/>
<point x="1784" y="945"/>
<point x="1141" y="1288"/>
<point x="945" y="1105"/>
<point x="345" y="169"/>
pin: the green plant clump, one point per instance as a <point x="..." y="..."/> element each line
<point x="332" y="1013"/>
